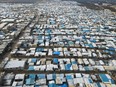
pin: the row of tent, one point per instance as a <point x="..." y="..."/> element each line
<point x="63" y="51"/>
<point x="61" y="64"/>
<point x="70" y="64"/>
<point x="59" y="80"/>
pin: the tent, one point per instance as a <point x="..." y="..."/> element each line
<point x="30" y="81"/>
<point x="32" y="76"/>
<point x="62" y="85"/>
<point x="98" y="84"/>
<point x="31" y="68"/>
<point x="104" y="78"/>
<point x="33" y="60"/>
<point x="52" y="85"/>
<point x="93" y="40"/>
<point x="67" y="66"/>
<point x="111" y="49"/>
<point x="41" y="76"/>
<point x="56" y="53"/>
<point x="74" y="62"/>
<point x="69" y="77"/>
<point x="55" y="60"/>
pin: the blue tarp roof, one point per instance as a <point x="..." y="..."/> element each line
<point x="55" y="60"/>
<point x="39" y="49"/>
<point x="67" y="66"/>
<point x="87" y="30"/>
<point x="68" y="77"/>
<point x="98" y="84"/>
<point x="104" y="78"/>
<point x="74" y="62"/>
<point x="62" y="85"/>
<point x="32" y="76"/>
<point x="90" y="45"/>
<point x="33" y="60"/>
<point x="36" y="86"/>
<point x="52" y="85"/>
<point x="31" y="68"/>
<point x="30" y="81"/>
<point x="83" y="37"/>
<point x="93" y="40"/>
<point x="54" y="76"/>
<point x="56" y="53"/>
<point x="112" y="81"/>
<point x="90" y="80"/>
<point x="48" y="31"/>
<point x="41" y="76"/>
<point x="86" y="68"/>
<point x="112" y="48"/>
